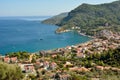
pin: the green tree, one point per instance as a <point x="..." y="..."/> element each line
<point x="10" y="72"/>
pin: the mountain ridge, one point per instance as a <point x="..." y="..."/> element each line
<point x="55" y="20"/>
<point x="91" y="18"/>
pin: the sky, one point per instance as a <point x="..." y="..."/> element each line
<point x="41" y="7"/>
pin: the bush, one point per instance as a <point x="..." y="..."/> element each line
<point x="10" y="72"/>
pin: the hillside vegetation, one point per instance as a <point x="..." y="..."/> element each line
<point x="93" y="18"/>
<point x="10" y="72"/>
<point x="56" y="19"/>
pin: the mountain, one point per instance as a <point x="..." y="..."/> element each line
<point x="92" y="18"/>
<point x="56" y="19"/>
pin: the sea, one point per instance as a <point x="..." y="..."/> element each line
<point x="29" y="34"/>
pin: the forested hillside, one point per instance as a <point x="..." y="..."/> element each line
<point x="56" y="19"/>
<point x="92" y="18"/>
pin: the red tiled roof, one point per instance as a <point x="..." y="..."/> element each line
<point x="6" y="59"/>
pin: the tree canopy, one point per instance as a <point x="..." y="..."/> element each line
<point x="10" y="72"/>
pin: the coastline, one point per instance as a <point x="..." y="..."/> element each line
<point x="53" y="49"/>
<point x="76" y="29"/>
<point x="86" y="35"/>
<point x="31" y="43"/>
<point x="65" y="31"/>
<point x="94" y="42"/>
<point x="82" y="34"/>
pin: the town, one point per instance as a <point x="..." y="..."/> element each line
<point x="59" y="64"/>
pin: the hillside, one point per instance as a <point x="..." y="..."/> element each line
<point x="55" y="19"/>
<point x="92" y="18"/>
<point x="89" y="17"/>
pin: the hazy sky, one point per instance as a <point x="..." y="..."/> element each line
<point x="41" y="7"/>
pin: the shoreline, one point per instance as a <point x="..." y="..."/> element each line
<point x="36" y="52"/>
<point x="64" y="31"/>
<point x="82" y="34"/>
<point x="86" y="35"/>
<point x="74" y="45"/>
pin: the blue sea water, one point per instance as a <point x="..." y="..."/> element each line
<point x="29" y="34"/>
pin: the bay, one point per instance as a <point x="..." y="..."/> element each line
<point x="29" y="34"/>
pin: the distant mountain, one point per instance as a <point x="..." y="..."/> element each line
<point x="56" y="19"/>
<point x="90" y="19"/>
